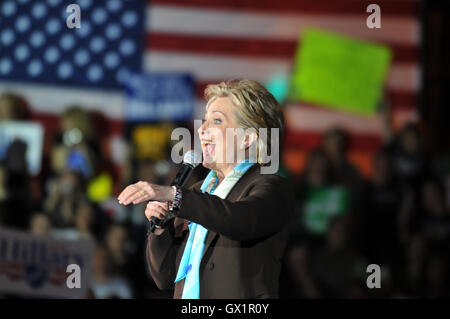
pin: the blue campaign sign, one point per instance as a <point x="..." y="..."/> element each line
<point x="159" y="96"/>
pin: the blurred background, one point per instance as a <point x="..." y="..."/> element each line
<point x="86" y="111"/>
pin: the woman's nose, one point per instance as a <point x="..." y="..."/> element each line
<point x="201" y="130"/>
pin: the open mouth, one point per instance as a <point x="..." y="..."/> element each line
<point x="208" y="147"/>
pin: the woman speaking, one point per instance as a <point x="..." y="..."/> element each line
<point x="230" y="229"/>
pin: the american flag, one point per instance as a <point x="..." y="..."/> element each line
<point x="216" y="40"/>
<point x="38" y="46"/>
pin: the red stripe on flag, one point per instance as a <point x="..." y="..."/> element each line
<point x="252" y="47"/>
<point x="221" y="45"/>
<point x="345" y="7"/>
<point x="402" y="100"/>
<point x="398" y="100"/>
<point x="52" y="125"/>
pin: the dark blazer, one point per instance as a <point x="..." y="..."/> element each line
<point x="247" y="236"/>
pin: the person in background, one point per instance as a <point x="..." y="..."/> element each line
<point x="106" y="285"/>
<point x="3" y="193"/>
<point x="88" y="222"/>
<point x="74" y="147"/>
<point x="426" y="228"/>
<point x="335" y="145"/>
<point x="440" y="166"/>
<point x="436" y="277"/>
<point x="434" y="222"/>
<point x="415" y="257"/>
<point x="14" y="107"/>
<point x="64" y="194"/>
<point x="379" y="226"/>
<point x="122" y="254"/>
<point x="426" y="273"/>
<point x="338" y="257"/>
<point x="78" y="136"/>
<point x="40" y="224"/>
<point x="18" y="202"/>
<point x="319" y="200"/>
<point x="409" y="158"/>
<point x="297" y="280"/>
<point x="85" y="219"/>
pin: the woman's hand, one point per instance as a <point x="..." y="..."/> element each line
<point x="156" y="209"/>
<point x="143" y="191"/>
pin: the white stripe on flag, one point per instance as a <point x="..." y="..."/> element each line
<point x="54" y="99"/>
<point x="307" y="118"/>
<point x="311" y="119"/>
<point x="185" y="20"/>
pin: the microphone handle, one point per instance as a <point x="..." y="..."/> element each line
<point x="153" y="223"/>
<point x="180" y="180"/>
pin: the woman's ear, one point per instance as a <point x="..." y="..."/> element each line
<point x="250" y="139"/>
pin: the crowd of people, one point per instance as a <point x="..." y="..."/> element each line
<point x="398" y="219"/>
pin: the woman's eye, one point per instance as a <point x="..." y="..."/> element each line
<point x="217" y="121"/>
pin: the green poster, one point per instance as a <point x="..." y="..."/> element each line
<point x="339" y="72"/>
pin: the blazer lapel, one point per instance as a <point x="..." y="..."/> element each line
<point x="233" y="195"/>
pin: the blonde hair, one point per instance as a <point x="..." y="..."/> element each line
<point x="255" y="108"/>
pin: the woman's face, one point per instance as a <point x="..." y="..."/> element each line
<point x="212" y="133"/>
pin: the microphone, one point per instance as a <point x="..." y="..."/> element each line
<point x="190" y="161"/>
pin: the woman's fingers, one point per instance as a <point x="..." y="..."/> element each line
<point x="125" y="195"/>
<point x="136" y="193"/>
<point x="143" y="191"/>
<point x="163" y="205"/>
<point x="146" y="192"/>
<point x="155" y="209"/>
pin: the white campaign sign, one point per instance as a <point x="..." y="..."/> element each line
<point x="36" y="266"/>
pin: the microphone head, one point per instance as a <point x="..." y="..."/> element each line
<point x="192" y="158"/>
